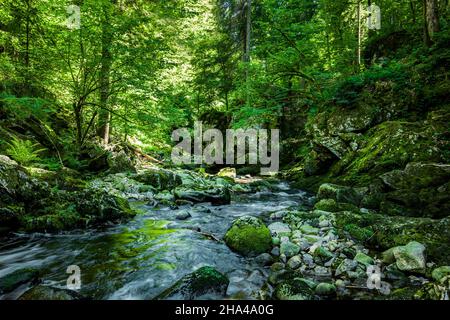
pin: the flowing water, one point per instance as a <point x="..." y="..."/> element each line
<point x="141" y="258"/>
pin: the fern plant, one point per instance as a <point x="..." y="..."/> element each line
<point x="23" y="151"/>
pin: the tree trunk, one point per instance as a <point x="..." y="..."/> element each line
<point x="104" y="119"/>
<point x="247" y="43"/>
<point x="358" y="58"/>
<point x="432" y="17"/>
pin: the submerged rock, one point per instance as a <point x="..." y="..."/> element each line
<point x="249" y="236"/>
<point x="11" y="281"/>
<point x="50" y="293"/>
<point x="204" y="281"/>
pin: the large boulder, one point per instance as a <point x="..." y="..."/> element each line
<point x="421" y="189"/>
<point x="160" y="179"/>
<point x="216" y="195"/>
<point x="339" y="193"/>
<point x="248" y="236"/>
<point x="205" y="281"/>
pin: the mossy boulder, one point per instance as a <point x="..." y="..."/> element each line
<point x="339" y="194"/>
<point x="215" y="195"/>
<point x="202" y="282"/>
<point x="158" y="178"/>
<point x="294" y="289"/>
<point x="249" y="236"/>
<point x="330" y="205"/>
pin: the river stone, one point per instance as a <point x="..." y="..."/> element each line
<point x="279" y="229"/>
<point x="289" y="249"/>
<point x="440" y="273"/>
<point x="323" y="253"/>
<point x="248" y="236"/>
<point x="49" y="293"/>
<point x="275" y="251"/>
<point x="325" y="289"/>
<point x="294" y="262"/>
<point x="204" y="281"/>
<point x="307" y="229"/>
<point x="364" y="259"/>
<point x="346" y="266"/>
<point x="293" y="290"/>
<point x="410" y="257"/>
<point x="183" y="215"/>
<point x="277" y="266"/>
<point x="264" y="259"/>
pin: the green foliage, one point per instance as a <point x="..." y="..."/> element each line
<point x="23" y="151"/>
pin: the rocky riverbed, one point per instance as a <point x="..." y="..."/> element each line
<point x="189" y="235"/>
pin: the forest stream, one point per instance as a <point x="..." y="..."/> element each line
<point x="141" y="258"/>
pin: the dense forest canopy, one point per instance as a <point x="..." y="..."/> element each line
<point x="142" y="68"/>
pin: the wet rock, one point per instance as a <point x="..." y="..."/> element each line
<point x="204" y="281"/>
<point x="11" y="281"/>
<point x="275" y="251"/>
<point x="279" y="229"/>
<point x="183" y="215"/>
<point x="50" y="293"/>
<point x="249" y="236"/>
<point x="217" y="195"/>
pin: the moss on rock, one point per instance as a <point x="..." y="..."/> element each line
<point x="249" y="236"/>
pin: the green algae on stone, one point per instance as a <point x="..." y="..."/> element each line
<point x="249" y="236"/>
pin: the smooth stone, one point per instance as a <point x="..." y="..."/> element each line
<point x="294" y="262"/>
<point x="440" y="273"/>
<point x="279" y="228"/>
<point x="410" y="257"/>
<point x="364" y="259"/>
<point x="325" y="289"/>
<point x="289" y="249"/>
